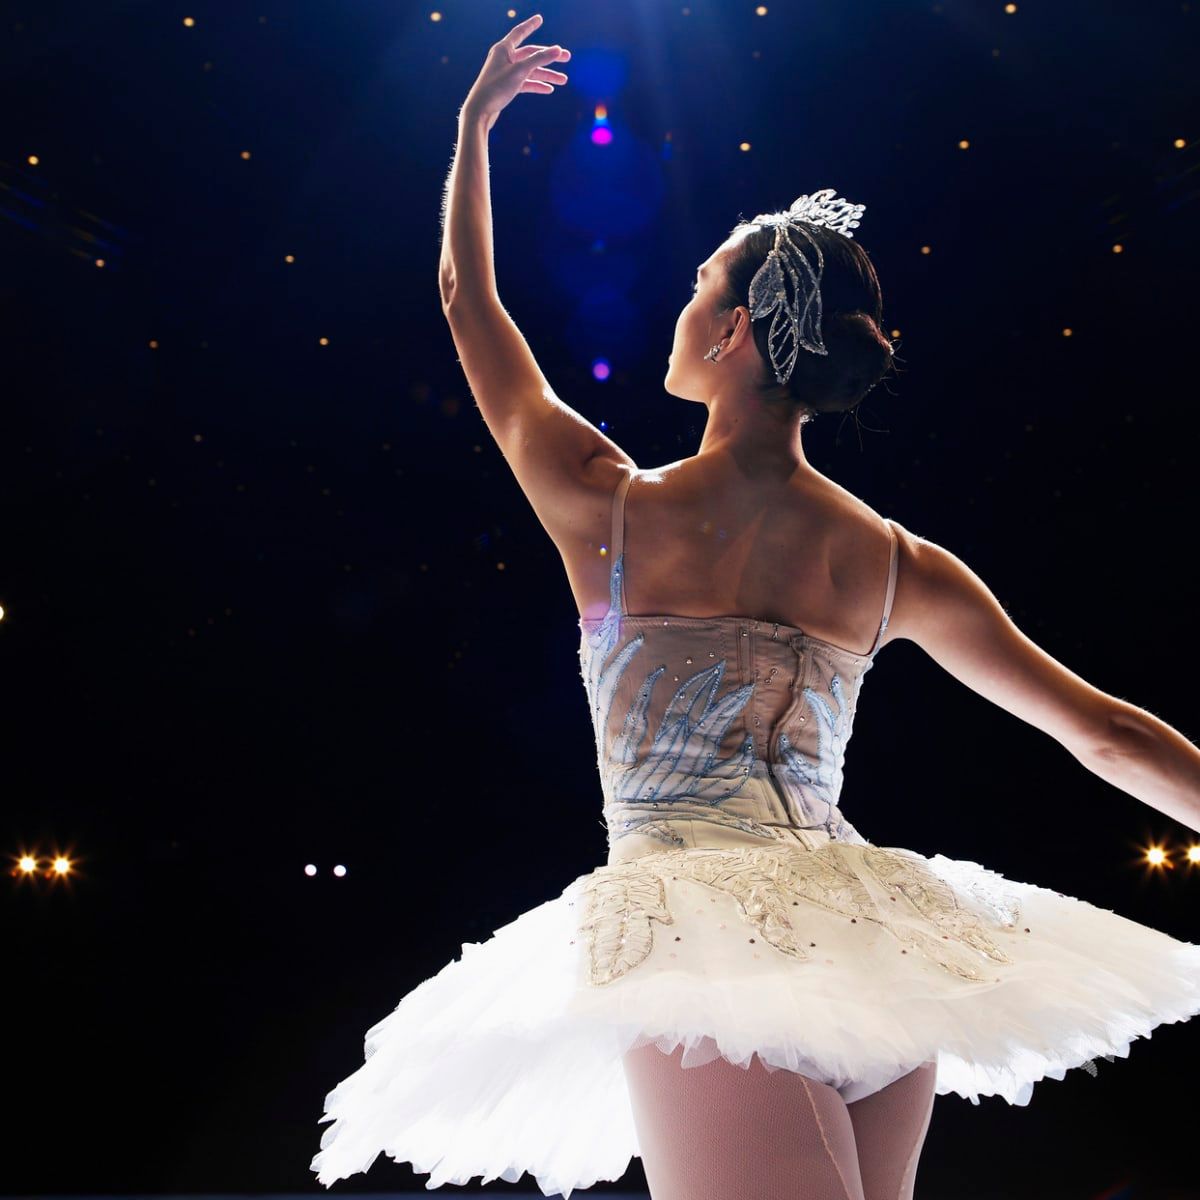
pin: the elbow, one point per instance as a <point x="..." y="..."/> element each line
<point x="446" y="289"/>
<point x="1129" y="732"/>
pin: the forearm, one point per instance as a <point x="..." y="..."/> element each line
<point x="1155" y="763"/>
<point x="466" y="266"/>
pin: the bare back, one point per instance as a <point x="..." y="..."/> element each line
<point x="698" y="543"/>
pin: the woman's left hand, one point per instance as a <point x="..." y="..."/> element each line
<point x="512" y="68"/>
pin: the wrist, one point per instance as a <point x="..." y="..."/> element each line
<point x="472" y="115"/>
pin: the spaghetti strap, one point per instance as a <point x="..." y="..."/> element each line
<point x="891" y="587"/>
<point x="617" y="545"/>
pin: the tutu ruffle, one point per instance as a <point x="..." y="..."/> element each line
<point x="851" y="963"/>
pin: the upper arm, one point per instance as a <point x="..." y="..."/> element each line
<point x="564" y="467"/>
<point x="943" y="606"/>
<point x="551" y="449"/>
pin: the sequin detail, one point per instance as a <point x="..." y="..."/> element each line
<point x="771" y="888"/>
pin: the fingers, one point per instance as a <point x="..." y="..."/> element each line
<point x="545" y="74"/>
<point x="548" y="53"/>
<point x="530" y="55"/>
<point x="517" y="32"/>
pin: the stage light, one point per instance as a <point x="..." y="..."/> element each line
<point x="1156" y="856"/>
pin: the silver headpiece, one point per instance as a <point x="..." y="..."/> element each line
<point x="797" y="316"/>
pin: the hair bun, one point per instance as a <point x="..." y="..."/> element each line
<point x="859" y="357"/>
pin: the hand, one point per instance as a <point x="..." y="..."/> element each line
<point x="512" y="68"/>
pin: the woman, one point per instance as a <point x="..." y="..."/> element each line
<point x="749" y="994"/>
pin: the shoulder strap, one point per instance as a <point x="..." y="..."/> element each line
<point x="617" y="546"/>
<point x="891" y="587"/>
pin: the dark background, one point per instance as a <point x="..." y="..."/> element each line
<point x="271" y="602"/>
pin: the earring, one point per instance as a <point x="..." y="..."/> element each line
<point x="712" y="354"/>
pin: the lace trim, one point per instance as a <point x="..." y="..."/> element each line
<point x="622" y="900"/>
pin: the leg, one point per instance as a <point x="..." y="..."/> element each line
<point x="724" y="1132"/>
<point x="889" y="1130"/>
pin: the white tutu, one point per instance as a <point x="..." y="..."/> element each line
<point x="852" y="963"/>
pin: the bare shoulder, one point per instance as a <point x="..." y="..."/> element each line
<point x="577" y="511"/>
<point x="911" y="601"/>
<point x="931" y="580"/>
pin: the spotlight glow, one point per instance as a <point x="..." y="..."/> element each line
<point x="602" y="134"/>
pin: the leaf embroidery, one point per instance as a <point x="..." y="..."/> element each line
<point x="623" y="899"/>
<point x="680" y="769"/>
<point x="820" y="782"/>
<point x="621" y="905"/>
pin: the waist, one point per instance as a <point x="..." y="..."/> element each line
<point x="759" y="814"/>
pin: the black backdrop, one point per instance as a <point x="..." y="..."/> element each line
<point x="270" y="602"/>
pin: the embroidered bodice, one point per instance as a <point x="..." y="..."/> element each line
<point x="717" y="730"/>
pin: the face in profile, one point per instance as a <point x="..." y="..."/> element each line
<point x="699" y="327"/>
<point x="694" y="333"/>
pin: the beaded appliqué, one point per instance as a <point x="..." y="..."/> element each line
<point x="820" y="782"/>
<point x="987" y="887"/>
<point x="907" y="874"/>
<point x="623" y="899"/>
<point x="621" y="903"/>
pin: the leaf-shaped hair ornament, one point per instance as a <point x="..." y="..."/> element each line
<point x="796" y="310"/>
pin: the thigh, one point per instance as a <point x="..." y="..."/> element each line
<point x="889" y="1131"/>
<point x="725" y="1132"/>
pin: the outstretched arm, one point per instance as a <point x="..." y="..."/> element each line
<point x="547" y="444"/>
<point x="945" y="608"/>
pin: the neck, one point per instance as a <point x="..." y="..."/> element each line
<point x="761" y="437"/>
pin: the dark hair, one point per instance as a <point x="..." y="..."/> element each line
<point x="852" y="315"/>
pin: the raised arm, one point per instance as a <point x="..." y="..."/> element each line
<point x="551" y="449"/>
<point x="943" y="606"/>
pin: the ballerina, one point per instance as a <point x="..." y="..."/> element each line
<point x="749" y="993"/>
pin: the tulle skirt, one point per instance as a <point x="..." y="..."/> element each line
<point x="851" y="963"/>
